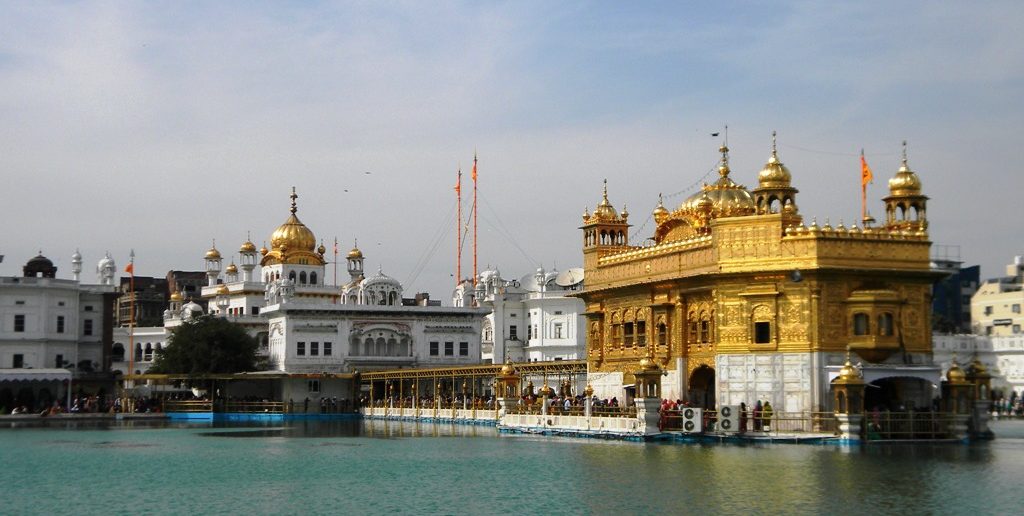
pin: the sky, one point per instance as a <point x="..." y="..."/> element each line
<point x="161" y="126"/>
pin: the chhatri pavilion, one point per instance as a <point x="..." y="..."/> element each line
<point x="740" y="298"/>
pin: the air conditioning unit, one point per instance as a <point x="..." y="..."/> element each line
<point x="729" y="419"/>
<point x="693" y="420"/>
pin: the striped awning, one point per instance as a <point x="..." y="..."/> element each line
<point x="38" y="375"/>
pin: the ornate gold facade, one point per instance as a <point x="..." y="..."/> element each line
<point x="738" y="272"/>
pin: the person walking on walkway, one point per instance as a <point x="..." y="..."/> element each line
<point x="767" y="415"/>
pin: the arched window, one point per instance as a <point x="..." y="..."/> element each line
<point x="368" y="347"/>
<point x="291" y="275"/>
<point x="860" y="323"/>
<point x="138" y="352"/>
<point x="693" y="325"/>
<point x="381" y="346"/>
<point x="393" y="299"/>
<point x="312" y="279"/>
<point x="885" y="328"/>
<point x="662" y="334"/>
<point x="149" y="352"/>
<point x="302" y="277"/>
<point x="117" y="352"/>
<point x="705" y="328"/>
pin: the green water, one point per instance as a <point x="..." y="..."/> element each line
<point x="369" y="467"/>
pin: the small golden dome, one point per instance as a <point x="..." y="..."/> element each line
<point x="247" y="247"/>
<point x="176" y="297"/>
<point x="660" y="212"/>
<point x="223" y="289"/>
<point x="955" y="374"/>
<point x="605" y="211"/>
<point x="589" y="391"/>
<point x="977" y="368"/>
<point x="212" y="254"/>
<point x="355" y="253"/>
<point x="774" y="174"/>
<point x="647" y="364"/>
<point x="507" y="369"/>
<point x="231" y="269"/>
<point x="321" y="249"/>
<point x="849" y="373"/>
<point x="546" y="390"/>
<point x="264" y="251"/>
<point x="905" y="182"/>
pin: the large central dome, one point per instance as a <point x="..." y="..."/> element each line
<point x="727" y="199"/>
<point x="293" y="242"/>
<point x="293" y="235"/>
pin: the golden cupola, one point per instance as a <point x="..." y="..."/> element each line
<point x="905" y="206"/>
<point x="292" y="242"/>
<point x="247" y="247"/>
<point x="606" y="231"/>
<point x="660" y="212"/>
<point x="774" y="192"/>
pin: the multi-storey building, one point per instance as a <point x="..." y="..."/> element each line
<point x="531" y="319"/>
<point x="996" y="306"/>
<point x="737" y="299"/>
<point x="60" y="329"/>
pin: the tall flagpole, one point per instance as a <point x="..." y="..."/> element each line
<point x="474" y="219"/>
<point x="865" y="177"/>
<point x="458" y="229"/>
<point x="131" y="315"/>
<point x="335" y="262"/>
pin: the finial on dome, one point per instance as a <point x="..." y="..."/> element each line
<point x="293" y="197"/>
<point x="904" y="153"/>
<point x="723" y="168"/>
<point x="606" y="189"/>
<point x="773" y="143"/>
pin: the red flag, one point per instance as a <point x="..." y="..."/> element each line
<point x="865" y="172"/>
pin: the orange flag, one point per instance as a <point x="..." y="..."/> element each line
<point x="865" y="172"/>
<point x="130" y="268"/>
<point x="474" y="167"/>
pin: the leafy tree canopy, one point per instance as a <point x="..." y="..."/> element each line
<point x="207" y="345"/>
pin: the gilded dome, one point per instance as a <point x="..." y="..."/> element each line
<point x="647" y="365"/>
<point x="231" y="269"/>
<point x="955" y="374"/>
<point x="321" y="249"/>
<point x="849" y="373"/>
<point x="355" y="253"/>
<point x="293" y="235"/>
<point x="660" y="212"/>
<point x="247" y="247"/>
<point x="212" y="254"/>
<point x="774" y="174"/>
<point x="223" y="289"/>
<point x="507" y="369"/>
<point x="905" y="182"/>
<point x="176" y="297"/>
<point x="727" y="199"/>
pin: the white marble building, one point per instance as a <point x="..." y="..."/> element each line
<point x="531" y="319"/>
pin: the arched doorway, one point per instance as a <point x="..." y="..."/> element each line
<point x="702" y="387"/>
<point x="899" y="393"/>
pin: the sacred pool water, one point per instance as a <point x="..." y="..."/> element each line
<point x="353" y="466"/>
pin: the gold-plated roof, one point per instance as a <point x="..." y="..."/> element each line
<point x="292" y="242"/>
<point x="660" y="212"/>
<point x="223" y="289"/>
<point x="247" y="247"/>
<point x="355" y="253"/>
<point x="849" y="373"/>
<point x="726" y="197"/>
<point x="646" y="365"/>
<point x="774" y="174"/>
<point x="231" y="268"/>
<point x="955" y="374"/>
<point x="605" y="212"/>
<point x="905" y="182"/>
<point x="213" y="253"/>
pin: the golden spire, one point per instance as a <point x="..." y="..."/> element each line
<point x="723" y="168"/>
<point x="294" y="196"/>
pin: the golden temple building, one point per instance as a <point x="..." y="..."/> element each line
<point x="737" y="298"/>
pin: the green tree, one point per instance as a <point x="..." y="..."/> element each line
<point x="207" y="345"/>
